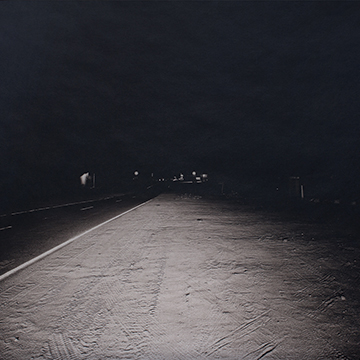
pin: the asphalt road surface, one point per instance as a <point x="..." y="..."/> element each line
<point x="28" y="233"/>
<point x="181" y="277"/>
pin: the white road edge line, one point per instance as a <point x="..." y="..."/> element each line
<point x="46" y="253"/>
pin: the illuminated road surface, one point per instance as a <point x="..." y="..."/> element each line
<point x="185" y="278"/>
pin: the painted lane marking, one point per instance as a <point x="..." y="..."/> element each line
<point x="73" y="203"/>
<point x="86" y="208"/>
<point x="46" y="253"/>
<point x="61" y="205"/>
<point x="51" y="207"/>
<point x="6" y="227"/>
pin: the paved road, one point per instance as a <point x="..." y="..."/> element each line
<point x="29" y="233"/>
<point x="186" y="278"/>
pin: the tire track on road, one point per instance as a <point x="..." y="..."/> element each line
<point x="78" y="311"/>
<point x="87" y="312"/>
<point x="227" y="339"/>
<point x="61" y="348"/>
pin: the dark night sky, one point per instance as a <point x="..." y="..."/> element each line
<point x="244" y="90"/>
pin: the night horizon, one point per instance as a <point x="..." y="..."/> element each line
<point x="179" y="180"/>
<point x="249" y="92"/>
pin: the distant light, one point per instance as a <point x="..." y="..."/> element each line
<point x="194" y="173"/>
<point x="136" y="173"/>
